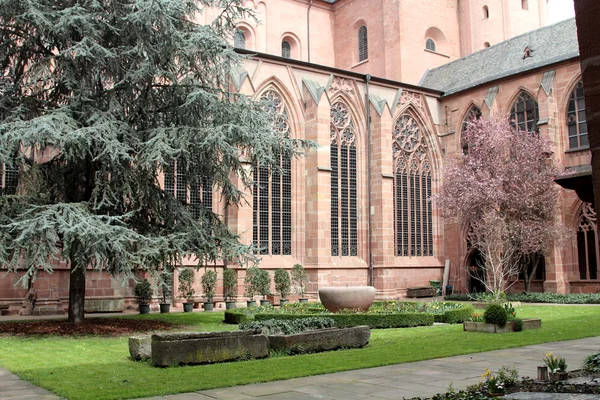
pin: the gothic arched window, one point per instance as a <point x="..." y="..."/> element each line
<point x="239" y="40"/>
<point x="587" y="243"/>
<point x="344" y="198"/>
<point x="363" y="44"/>
<point x="272" y="194"/>
<point x="525" y="113"/>
<point x="473" y="114"/>
<point x="177" y="183"/>
<point x="576" y="119"/>
<point x="430" y="45"/>
<point x="9" y="178"/>
<point x="413" y="222"/>
<point x="286" y="49"/>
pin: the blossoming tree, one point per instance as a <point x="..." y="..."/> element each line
<point x="503" y="189"/>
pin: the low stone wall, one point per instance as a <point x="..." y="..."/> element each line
<point x="321" y="340"/>
<point x="204" y="348"/>
<point x="424" y="291"/>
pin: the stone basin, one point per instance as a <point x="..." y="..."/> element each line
<point x="336" y="299"/>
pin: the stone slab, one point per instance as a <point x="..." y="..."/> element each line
<point x="104" y="305"/>
<point x="424" y="291"/>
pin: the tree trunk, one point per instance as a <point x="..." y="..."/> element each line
<point x="534" y="260"/>
<point x="76" y="293"/>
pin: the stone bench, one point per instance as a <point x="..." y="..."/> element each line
<point x="321" y="340"/>
<point x="205" y="348"/>
<point x="423" y="291"/>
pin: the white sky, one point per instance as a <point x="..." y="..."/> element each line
<point x="559" y="10"/>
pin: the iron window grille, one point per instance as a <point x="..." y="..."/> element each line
<point x="9" y="178"/>
<point x="430" y="45"/>
<point x="179" y="185"/>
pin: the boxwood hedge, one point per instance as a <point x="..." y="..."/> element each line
<point x="457" y="316"/>
<point x="400" y="320"/>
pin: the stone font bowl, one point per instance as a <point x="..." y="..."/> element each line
<point x="336" y="299"/>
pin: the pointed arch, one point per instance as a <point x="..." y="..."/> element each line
<point x="356" y="109"/>
<point x="294" y="115"/>
<point x="272" y="190"/>
<point x="413" y="187"/>
<point x="344" y="180"/>
<point x="575" y="118"/>
<point x="473" y="111"/>
<point x="524" y="111"/>
<point x="588" y="252"/>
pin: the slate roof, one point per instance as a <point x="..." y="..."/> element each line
<point x="550" y="44"/>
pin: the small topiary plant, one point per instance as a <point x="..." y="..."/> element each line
<point x="299" y="278"/>
<point x="282" y="282"/>
<point x="495" y="314"/>
<point x="209" y="285"/>
<point x="186" y="281"/>
<point x="143" y="292"/>
<point x="229" y="284"/>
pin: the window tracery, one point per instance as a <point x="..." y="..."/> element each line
<point x="413" y="222"/>
<point x="587" y="243"/>
<point x="344" y="196"/>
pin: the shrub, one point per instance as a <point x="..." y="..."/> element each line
<point x="143" y="292"/>
<point x="209" y="285"/>
<point x="282" y="282"/>
<point x="372" y="320"/>
<point x="573" y="298"/>
<point x="229" y="283"/>
<point x="495" y="314"/>
<point x="459" y="315"/>
<point x="262" y="282"/>
<point x="165" y="287"/>
<point x="592" y="363"/>
<point x="288" y="327"/>
<point x="463" y="297"/>
<point x="186" y="280"/>
<point x="250" y="282"/>
<point x="299" y="278"/>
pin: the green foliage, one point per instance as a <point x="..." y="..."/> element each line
<point x="372" y="320"/>
<point x="508" y="375"/>
<point x="143" y="292"/>
<point x="476" y="317"/>
<point x="229" y="283"/>
<point x="299" y="279"/>
<point x="209" y="285"/>
<point x="112" y="93"/>
<point x="518" y="324"/>
<point x="288" y="327"/>
<point x="592" y="363"/>
<point x="458" y="316"/>
<point x="282" y="282"/>
<point x="165" y="285"/>
<point x="511" y="313"/>
<point x="463" y="297"/>
<point x="186" y="280"/>
<point x="572" y="298"/>
<point x="250" y="282"/>
<point x="495" y="314"/>
<point x="554" y="363"/>
<point x="262" y="282"/>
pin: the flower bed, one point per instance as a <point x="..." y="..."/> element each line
<point x="380" y="315"/>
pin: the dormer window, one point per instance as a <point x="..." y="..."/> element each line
<point x="527" y="52"/>
<point x="430" y="45"/>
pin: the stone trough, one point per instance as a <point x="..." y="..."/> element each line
<point x="321" y="340"/>
<point x="204" y="348"/>
<point x="470" y="326"/>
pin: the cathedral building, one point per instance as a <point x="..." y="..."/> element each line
<point x="385" y="90"/>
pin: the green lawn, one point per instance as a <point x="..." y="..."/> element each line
<point x="99" y="368"/>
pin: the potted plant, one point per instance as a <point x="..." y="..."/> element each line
<point x="209" y="287"/>
<point x="300" y="278"/>
<point x="249" y="285"/>
<point x="557" y="367"/>
<point x="229" y="287"/>
<point x="186" y="281"/>
<point x="282" y="284"/>
<point x="143" y="295"/>
<point x="165" y="289"/>
<point x="263" y="285"/>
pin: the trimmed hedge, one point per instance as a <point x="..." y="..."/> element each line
<point x="457" y="316"/>
<point x="403" y="320"/>
<point x="237" y="316"/>
<point x="572" y="298"/>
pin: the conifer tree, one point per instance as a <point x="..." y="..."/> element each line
<point x="97" y="98"/>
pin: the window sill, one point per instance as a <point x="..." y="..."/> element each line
<point x="435" y="52"/>
<point x="360" y="63"/>
<point x="576" y="149"/>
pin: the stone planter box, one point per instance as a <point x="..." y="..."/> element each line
<point x="205" y="348"/>
<point x="321" y="340"/>
<point x="470" y="326"/>
<point x="424" y="291"/>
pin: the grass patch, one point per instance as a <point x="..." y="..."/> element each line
<point x="99" y="368"/>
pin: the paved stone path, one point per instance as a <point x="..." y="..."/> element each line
<point x="424" y="378"/>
